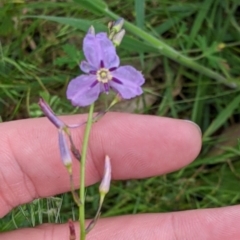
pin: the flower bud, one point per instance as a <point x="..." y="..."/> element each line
<point x="91" y="30"/>
<point x="117" y="26"/>
<point x="64" y="150"/>
<point x="105" y="183"/>
<point x="50" y="114"/>
<point x="117" y="38"/>
<point x="110" y="25"/>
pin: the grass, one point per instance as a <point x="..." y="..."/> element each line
<point x="189" y="53"/>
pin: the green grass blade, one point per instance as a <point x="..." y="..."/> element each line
<point x="222" y="116"/>
<point x="140" y="18"/>
<point x="128" y="43"/>
<point x="202" y="15"/>
<point x="198" y="106"/>
<point x="140" y="12"/>
<point x="77" y="23"/>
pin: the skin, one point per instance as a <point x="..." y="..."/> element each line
<point x="139" y="147"/>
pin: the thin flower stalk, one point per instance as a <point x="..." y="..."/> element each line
<point x="82" y="173"/>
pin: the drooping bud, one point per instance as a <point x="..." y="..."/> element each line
<point x="61" y="126"/>
<point x="64" y="150"/>
<point x="105" y="183"/>
<point x="117" y="26"/>
<point x="103" y="189"/>
<point x="50" y="114"/>
<point x="91" y="30"/>
<point x="118" y="37"/>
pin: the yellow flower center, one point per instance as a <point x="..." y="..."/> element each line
<point x="103" y="75"/>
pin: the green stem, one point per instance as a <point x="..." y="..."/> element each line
<point x="82" y="174"/>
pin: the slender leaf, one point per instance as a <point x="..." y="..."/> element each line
<point x="222" y="116"/>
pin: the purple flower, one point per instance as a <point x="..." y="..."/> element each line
<point x="102" y="73"/>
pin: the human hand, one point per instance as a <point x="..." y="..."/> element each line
<point x="139" y="147"/>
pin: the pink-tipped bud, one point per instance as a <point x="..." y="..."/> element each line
<point x="64" y="150"/>
<point x="50" y="114"/>
<point x="105" y="183"/>
<point x="91" y="30"/>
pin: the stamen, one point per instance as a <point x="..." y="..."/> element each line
<point x="106" y="87"/>
<point x="94" y="84"/>
<point x="101" y="64"/>
<point x="112" y="69"/>
<point x="116" y="80"/>
<point x="103" y="75"/>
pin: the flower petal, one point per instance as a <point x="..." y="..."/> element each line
<point x="86" y="67"/>
<point x="109" y="55"/>
<point x="80" y="92"/>
<point x="99" y="48"/>
<point x="131" y="81"/>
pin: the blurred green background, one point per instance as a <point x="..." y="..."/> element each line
<point x="189" y="52"/>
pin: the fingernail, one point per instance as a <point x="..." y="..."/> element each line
<point x="199" y="129"/>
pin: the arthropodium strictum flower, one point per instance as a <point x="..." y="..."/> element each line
<point x="63" y="133"/>
<point x="103" y="72"/>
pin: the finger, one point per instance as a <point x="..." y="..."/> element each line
<point x="207" y="224"/>
<point x="139" y="146"/>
